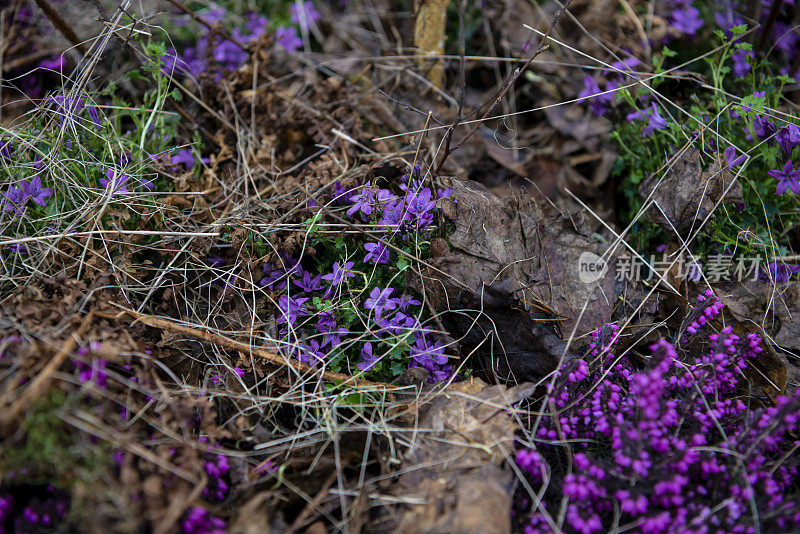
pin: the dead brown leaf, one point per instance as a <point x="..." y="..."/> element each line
<point x="687" y="194"/>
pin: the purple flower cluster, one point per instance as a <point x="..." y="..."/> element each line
<point x="67" y="107"/>
<point x="671" y="447"/>
<point x="17" y="197"/>
<point x="787" y="137"/>
<point x="198" y="520"/>
<point x="314" y="336"/>
<point x="653" y="118"/>
<point x="708" y="306"/>
<point x="36" y="514"/>
<point x="217" y="470"/>
<point x="394" y="214"/>
<point x="602" y="99"/>
<point x="778" y="273"/>
<point x="94" y="372"/>
<point x="685" y="18"/>
<point x="212" y="53"/>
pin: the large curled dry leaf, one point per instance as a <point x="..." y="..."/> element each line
<point x="686" y="194"/>
<point x="515" y="294"/>
<point x="458" y="471"/>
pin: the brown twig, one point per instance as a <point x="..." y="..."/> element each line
<point x="230" y="344"/>
<point x="61" y="25"/>
<point x="515" y="74"/>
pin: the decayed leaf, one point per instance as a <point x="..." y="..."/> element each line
<point x="457" y="471"/>
<point x="687" y="194"/>
<point x="515" y="292"/>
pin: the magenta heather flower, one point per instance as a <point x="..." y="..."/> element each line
<point x="217" y="470"/>
<point x="660" y="446"/>
<point x="198" y="520"/>
<point x="52" y="63"/>
<point x="787" y="178"/>
<point x="379" y="300"/>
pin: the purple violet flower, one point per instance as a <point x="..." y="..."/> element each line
<point x="216" y="13"/>
<point x="376" y="253"/>
<point x="309" y="284"/>
<point x="763" y="127"/>
<point x="186" y="157"/>
<point x="426" y="354"/>
<point x="741" y="63"/>
<point x="326" y="322"/>
<point x="591" y="90"/>
<point x="730" y="157"/>
<point x="94" y="115"/>
<point x="115" y="184"/>
<point x="379" y="300"/>
<point x="654" y="122"/>
<point x="778" y="273"/>
<point x="15" y="200"/>
<point x="687" y="20"/>
<point x="287" y="37"/>
<point x="788" y="137"/>
<point x="788" y="178"/>
<point x="339" y="273"/>
<point x="291" y="309"/>
<point x="405" y="300"/>
<point x="369" y="359"/>
<point x="362" y="201"/>
<point x="34" y="190"/>
<point x="420" y="204"/>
